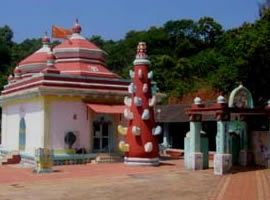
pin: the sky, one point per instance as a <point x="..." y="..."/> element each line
<point x="112" y="19"/>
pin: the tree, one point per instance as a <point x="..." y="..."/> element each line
<point x="209" y="30"/>
<point x="24" y="49"/>
<point x="97" y="40"/>
<point x="179" y="29"/>
<point x="263" y="7"/>
<point x="6" y="35"/>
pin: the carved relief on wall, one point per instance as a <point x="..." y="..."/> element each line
<point x="241" y="99"/>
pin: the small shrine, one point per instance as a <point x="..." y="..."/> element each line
<point x="63" y="99"/>
<point x="235" y="142"/>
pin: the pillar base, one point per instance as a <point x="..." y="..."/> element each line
<point x="195" y="160"/>
<point x="186" y="162"/>
<point x="243" y="157"/>
<point x="267" y="160"/>
<point x="133" y="161"/>
<point x="43" y="171"/>
<point x="222" y="163"/>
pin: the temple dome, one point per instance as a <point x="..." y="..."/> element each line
<point x="75" y="56"/>
<point x="79" y="47"/>
<point x="77" y="41"/>
<point x="36" y="61"/>
<point x="78" y="56"/>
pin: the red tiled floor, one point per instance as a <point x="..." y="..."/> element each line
<point x="244" y="184"/>
<point x="241" y="184"/>
<point x="10" y="174"/>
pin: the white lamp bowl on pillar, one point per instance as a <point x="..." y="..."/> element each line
<point x="221" y="100"/>
<point x="197" y="101"/>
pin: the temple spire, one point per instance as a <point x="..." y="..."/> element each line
<point x="141" y="50"/>
<point x="46" y="39"/>
<point x="77" y="27"/>
<point x="141" y="56"/>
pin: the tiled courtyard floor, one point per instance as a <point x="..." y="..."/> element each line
<point x="117" y="181"/>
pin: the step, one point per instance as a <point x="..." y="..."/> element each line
<point x="104" y="161"/>
<point x="12" y="158"/>
<point x="106" y="158"/>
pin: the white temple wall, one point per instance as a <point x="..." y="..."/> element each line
<point x="34" y="120"/>
<point x="3" y="126"/>
<point x="11" y="128"/>
<point x="68" y="116"/>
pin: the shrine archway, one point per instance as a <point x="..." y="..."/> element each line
<point x="232" y="145"/>
<point x="241" y="97"/>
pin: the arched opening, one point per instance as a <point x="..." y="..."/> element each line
<point x="22" y="134"/>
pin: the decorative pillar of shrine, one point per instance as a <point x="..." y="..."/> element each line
<point x="243" y="142"/>
<point x="195" y="157"/>
<point x="222" y="158"/>
<point x="267" y="155"/>
<point x="141" y="145"/>
<point x="166" y="143"/>
<point x="43" y="160"/>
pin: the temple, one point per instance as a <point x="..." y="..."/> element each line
<point x="63" y="99"/>
<point x="64" y="103"/>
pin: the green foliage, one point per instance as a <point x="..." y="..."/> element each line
<point x="24" y="49"/>
<point x="210" y="31"/>
<point x="6" y="35"/>
<point x="96" y="39"/>
<point x="264" y="7"/>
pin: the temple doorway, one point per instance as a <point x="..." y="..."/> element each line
<point x="235" y="147"/>
<point x="102" y="134"/>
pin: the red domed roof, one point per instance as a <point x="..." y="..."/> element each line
<point x="37" y="61"/>
<point x="78" y="56"/>
<point x="77" y="43"/>
<point x="34" y="58"/>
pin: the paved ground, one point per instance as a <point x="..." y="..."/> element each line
<point x="244" y="184"/>
<point x="117" y="181"/>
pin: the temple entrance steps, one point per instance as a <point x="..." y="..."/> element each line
<point x="108" y="158"/>
<point x="10" y="158"/>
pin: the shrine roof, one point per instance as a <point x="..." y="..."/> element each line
<point x="37" y="58"/>
<point x="174" y="113"/>
<point x="73" y="59"/>
<point x="77" y="43"/>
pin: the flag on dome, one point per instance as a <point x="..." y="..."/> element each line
<point x="61" y="33"/>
